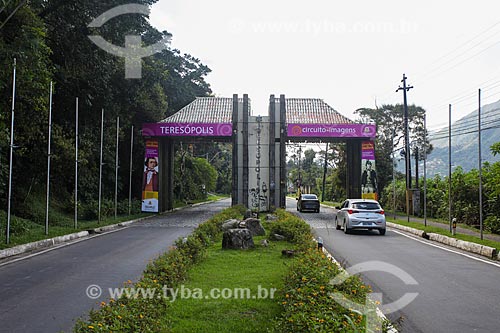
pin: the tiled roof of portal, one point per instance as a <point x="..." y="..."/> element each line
<point x="312" y="111"/>
<point x="205" y="110"/>
<point x="220" y="110"/>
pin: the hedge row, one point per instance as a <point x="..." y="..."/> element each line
<point x="308" y="297"/>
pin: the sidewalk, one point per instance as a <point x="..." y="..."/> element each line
<point x="460" y="230"/>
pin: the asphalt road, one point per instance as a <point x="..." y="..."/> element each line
<point x="47" y="292"/>
<point x="457" y="292"/>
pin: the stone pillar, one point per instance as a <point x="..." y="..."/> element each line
<point x="166" y="179"/>
<point x="353" y="168"/>
<point x="272" y="152"/>
<point x="245" y="149"/>
<point x="282" y="159"/>
<point x="234" y="140"/>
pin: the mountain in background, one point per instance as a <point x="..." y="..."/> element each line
<point x="464" y="142"/>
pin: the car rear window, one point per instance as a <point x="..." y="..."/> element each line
<point x="365" y="205"/>
<point x="309" y="197"/>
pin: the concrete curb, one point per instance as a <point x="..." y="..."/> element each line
<point x="417" y="232"/>
<point x="41" y="244"/>
<point x="47" y="243"/>
<point x="483" y="250"/>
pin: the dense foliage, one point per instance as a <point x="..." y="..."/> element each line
<point x="464" y="196"/>
<point x="49" y="40"/>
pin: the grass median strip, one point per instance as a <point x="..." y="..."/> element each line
<point x="235" y="291"/>
<point x="199" y="287"/>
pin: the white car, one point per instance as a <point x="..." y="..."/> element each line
<point x="360" y="214"/>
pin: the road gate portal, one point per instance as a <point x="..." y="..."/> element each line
<point x="258" y="145"/>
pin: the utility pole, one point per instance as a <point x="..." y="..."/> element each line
<point x="405" y="88"/>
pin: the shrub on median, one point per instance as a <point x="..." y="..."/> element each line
<point x="308" y="302"/>
<point x="307" y="298"/>
<point x="293" y="228"/>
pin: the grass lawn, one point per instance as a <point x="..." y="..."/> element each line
<point x="441" y="231"/>
<point x="221" y="272"/>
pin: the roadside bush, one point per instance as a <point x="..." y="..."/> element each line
<point x="307" y="302"/>
<point x="293" y="228"/>
<point x="90" y="209"/>
<point x="492" y="223"/>
<point x="18" y="226"/>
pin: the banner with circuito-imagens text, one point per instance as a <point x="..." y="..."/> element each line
<point x="150" y="177"/>
<point x="369" y="182"/>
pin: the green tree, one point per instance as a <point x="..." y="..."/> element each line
<point x="495" y="148"/>
<point x="50" y="40"/>
<point x="390" y="128"/>
<point x="23" y="37"/>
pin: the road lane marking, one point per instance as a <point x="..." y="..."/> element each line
<point x="55" y="247"/>
<point x="447" y="249"/>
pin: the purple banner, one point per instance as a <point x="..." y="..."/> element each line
<point x="187" y="129"/>
<point x="369" y="182"/>
<point x="150" y="177"/>
<point x="367" y="150"/>
<point x="333" y="130"/>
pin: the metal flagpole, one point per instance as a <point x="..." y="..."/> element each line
<point x="7" y="232"/>
<point x="393" y="178"/>
<point x="449" y="166"/>
<point x="48" y="163"/>
<point x="76" y="164"/>
<point x="425" y="169"/>
<point x="116" y="165"/>
<point x="480" y="168"/>
<point x="130" y="170"/>
<point x="100" y="168"/>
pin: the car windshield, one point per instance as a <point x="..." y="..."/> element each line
<point x="366" y="205"/>
<point x="310" y="196"/>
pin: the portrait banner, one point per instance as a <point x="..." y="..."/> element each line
<point x="369" y="183"/>
<point x="150" y="177"/>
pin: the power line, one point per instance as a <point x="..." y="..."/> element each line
<point x="465" y="96"/>
<point x="463" y="44"/>
<point x="454" y="134"/>
<point x="461" y="128"/>
<point x="460" y="54"/>
<point x="489" y="114"/>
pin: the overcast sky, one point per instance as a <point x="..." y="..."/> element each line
<point x="351" y="54"/>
